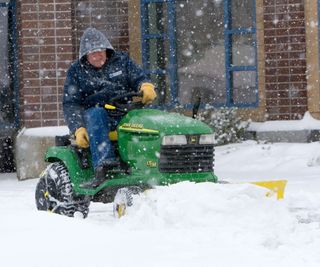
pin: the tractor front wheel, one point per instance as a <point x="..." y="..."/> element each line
<point x="124" y="199"/>
<point x="54" y="193"/>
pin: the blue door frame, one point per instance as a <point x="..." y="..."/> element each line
<point x="170" y="37"/>
<point x="13" y="59"/>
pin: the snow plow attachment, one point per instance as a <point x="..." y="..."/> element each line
<point x="276" y="187"/>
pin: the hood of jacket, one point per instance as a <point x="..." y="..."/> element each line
<point x="93" y="40"/>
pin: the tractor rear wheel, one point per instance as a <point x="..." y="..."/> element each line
<point x="54" y="193"/>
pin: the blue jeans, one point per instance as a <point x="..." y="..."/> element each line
<point x="99" y="124"/>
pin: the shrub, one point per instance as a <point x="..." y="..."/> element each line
<point x="227" y="125"/>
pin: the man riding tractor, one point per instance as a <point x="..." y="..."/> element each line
<point x="98" y="75"/>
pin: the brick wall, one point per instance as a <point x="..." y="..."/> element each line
<point x="45" y="38"/>
<point x="285" y="59"/>
<point x="49" y="34"/>
<point x="110" y="17"/>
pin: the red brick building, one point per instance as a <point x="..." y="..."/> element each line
<point x="258" y="55"/>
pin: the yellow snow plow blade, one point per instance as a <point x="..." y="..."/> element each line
<point x="276" y="187"/>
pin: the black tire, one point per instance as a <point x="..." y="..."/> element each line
<point x="54" y="193"/>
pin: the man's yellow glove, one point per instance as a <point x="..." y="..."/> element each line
<point x="82" y="137"/>
<point x="149" y="94"/>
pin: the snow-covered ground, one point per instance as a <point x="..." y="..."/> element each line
<point x="184" y="224"/>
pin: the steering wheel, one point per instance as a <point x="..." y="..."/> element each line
<point x="124" y="103"/>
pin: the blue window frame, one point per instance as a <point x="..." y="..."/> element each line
<point x="159" y="47"/>
<point x="179" y="59"/>
<point x="9" y="84"/>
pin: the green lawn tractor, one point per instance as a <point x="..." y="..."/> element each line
<point x="153" y="148"/>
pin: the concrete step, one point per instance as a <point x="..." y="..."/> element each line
<point x="30" y="148"/>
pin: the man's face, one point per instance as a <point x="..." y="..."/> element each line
<point x="97" y="58"/>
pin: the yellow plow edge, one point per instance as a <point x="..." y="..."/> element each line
<point x="276" y="187"/>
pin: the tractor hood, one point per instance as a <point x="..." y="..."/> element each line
<point x="161" y="122"/>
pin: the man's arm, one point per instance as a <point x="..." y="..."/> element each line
<point x="101" y="97"/>
<point x="136" y="75"/>
<point x="72" y="105"/>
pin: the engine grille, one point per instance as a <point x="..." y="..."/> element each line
<point x="186" y="158"/>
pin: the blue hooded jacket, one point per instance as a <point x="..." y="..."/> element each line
<point x="87" y="86"/>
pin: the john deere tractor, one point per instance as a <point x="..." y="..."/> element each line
<point x="153" y="148"/>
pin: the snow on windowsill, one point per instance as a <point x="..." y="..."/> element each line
<point x="307" y="123"/>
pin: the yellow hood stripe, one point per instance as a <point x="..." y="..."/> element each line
<point x="138" y="130"/>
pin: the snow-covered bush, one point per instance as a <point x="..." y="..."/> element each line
<point x="228" y="126"/>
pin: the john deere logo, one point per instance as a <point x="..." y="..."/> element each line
<point x="151" y="164"/>
<point x="132" y="125"/>
<point x="193" y="139"/>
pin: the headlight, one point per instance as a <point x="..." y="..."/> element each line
<point x="206" y="139"/>
<point x="174" y="140"/>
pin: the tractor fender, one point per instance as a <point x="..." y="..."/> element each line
<point x="64" y="154"/>
<point x="68" y="157"/>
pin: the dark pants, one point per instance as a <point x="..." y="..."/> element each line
<point x="99" y="124"/>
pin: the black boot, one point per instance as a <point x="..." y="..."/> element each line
<point x="101" y="174"/>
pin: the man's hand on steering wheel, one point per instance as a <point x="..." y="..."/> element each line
<point x="116" y="106"/>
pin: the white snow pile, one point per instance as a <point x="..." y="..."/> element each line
<point x="45" y="131"/>
<point x="185" y="224"/>
<point x="191" y="205"/>
<point x="306" y="123"/>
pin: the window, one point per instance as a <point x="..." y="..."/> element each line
<point x="8" y="66"/>
<point x="158" y="47"/>
<point x="203" y="48"/>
